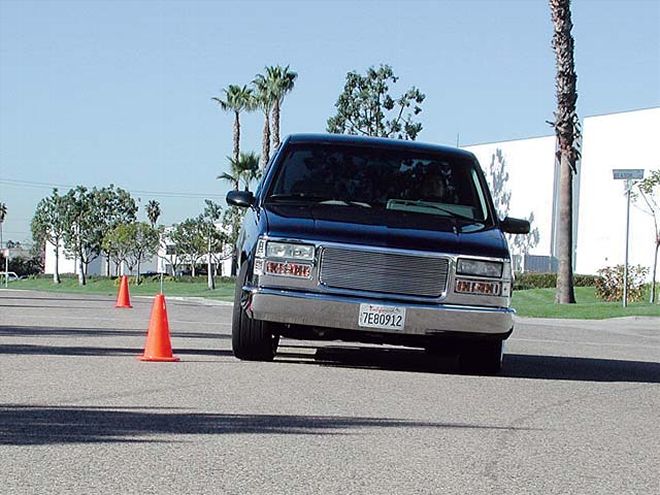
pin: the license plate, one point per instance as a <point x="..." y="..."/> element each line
<point x="386" y="317"/>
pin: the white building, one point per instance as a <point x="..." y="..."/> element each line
<point x="619" y="140"/>
<point x="161" y="263"/>
<point x="69" y="264"/>
<point x="167" y="257"/>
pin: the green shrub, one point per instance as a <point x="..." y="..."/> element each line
<point x="609" y="286"/>
<point x="585" y="280"/>
<point x="532" y="280"/>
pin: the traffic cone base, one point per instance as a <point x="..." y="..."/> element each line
<point x="158" y="346"/>
<point x="157" y="359"/>
<point x="123" y="296"/>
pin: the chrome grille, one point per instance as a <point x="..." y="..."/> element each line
<point x="390" y="273"/>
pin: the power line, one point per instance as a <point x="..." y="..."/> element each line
<point x="164" y="194"/>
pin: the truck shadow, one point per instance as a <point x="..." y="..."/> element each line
<point x="47" y="424"/>
<point x="515" y="365"/>
<point x="46" y="331"/>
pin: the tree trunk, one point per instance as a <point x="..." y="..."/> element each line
<point x="565" y="292"/>
<point x="107" y="265"/>
<point x="265" y="143"/>
<point x="655" y="266"/>
<point x="82" y="279"/>
<point x="173" y="264"/>
<point x="237" y="136"/>
<point x="56" y="271"/>
<point x="568" y="132"/>
<point x="276" y="125"/>
<point x="210" y="281"/>
<point x="192" y="265"/>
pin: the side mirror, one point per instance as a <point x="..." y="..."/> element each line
<point x="243" y="199"/>
<point x="515" y="226"/>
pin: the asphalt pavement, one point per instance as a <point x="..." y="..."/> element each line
<point x="576" y="409"/>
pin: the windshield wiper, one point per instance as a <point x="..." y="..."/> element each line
<point x="344" y="202"/>
<point x="434" y="206"/>
<point x="297" y="197"/>
<point x="305" y="197"/>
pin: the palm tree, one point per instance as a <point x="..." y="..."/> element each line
<point x="264" y="99"/>
<point x="245" y="169"/>
<point x="153" y="211"/>
<point x="3" y="215"/>
<point x="567" y="129"/>
<point x="236" y="99"/>
<point x="280" y="81"/>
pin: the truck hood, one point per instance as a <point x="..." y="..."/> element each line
<point x="382" y="228"/>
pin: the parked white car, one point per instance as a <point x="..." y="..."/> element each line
<point x="10" y="276"/>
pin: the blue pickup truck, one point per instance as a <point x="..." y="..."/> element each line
<point x="373" y="240"/>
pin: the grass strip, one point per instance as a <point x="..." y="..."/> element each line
<point x="532" y="303"/>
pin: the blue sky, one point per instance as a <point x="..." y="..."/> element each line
<point x="95" y="92"/>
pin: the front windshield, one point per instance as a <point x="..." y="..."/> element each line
<point x="385" y="178"/>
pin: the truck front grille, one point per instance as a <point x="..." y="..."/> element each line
<point x="378" y="271"/>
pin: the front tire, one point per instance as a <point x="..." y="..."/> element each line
<point x="481" y="357"/>
<point x="251" y="340"/>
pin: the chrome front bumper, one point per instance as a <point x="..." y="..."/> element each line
<point x="333" y="311"/>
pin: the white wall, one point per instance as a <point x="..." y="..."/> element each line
<point x="69" y="264"/>
<point x="622" y="140"/>
<point x="531" y="167"/>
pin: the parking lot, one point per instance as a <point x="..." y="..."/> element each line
<point x="575" y="410"/>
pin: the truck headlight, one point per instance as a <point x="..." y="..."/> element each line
<point x="479" y="268"/>
<point x="289" y="251"/>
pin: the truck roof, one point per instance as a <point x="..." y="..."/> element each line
<point x="376" y="141"/>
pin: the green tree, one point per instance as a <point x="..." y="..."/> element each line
<point x="236" y="99"/>
<point x="189" y="242"/>
<point x="116" y="206"/>
<point x="245" y="170"/>
<point x="152" y="209"/>
<point x="84" y="228"/>
<point x="118" y="243"/>
<point x="365" y="107"/>
<point x="649" y="192"/>
<point x="280" y="82"/>
<point x="132" y="243"/>
<point x="170" y="248"/>
<point x="264" y="99"/>
<point x="214" y="237"/>
<point x="49" y="224"/>
<point x="145" y="245"/>
<point x="567" y="129"/>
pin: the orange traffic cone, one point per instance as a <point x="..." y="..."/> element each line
<point x="158" y="346"/>
<point x="123" y="297"/>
